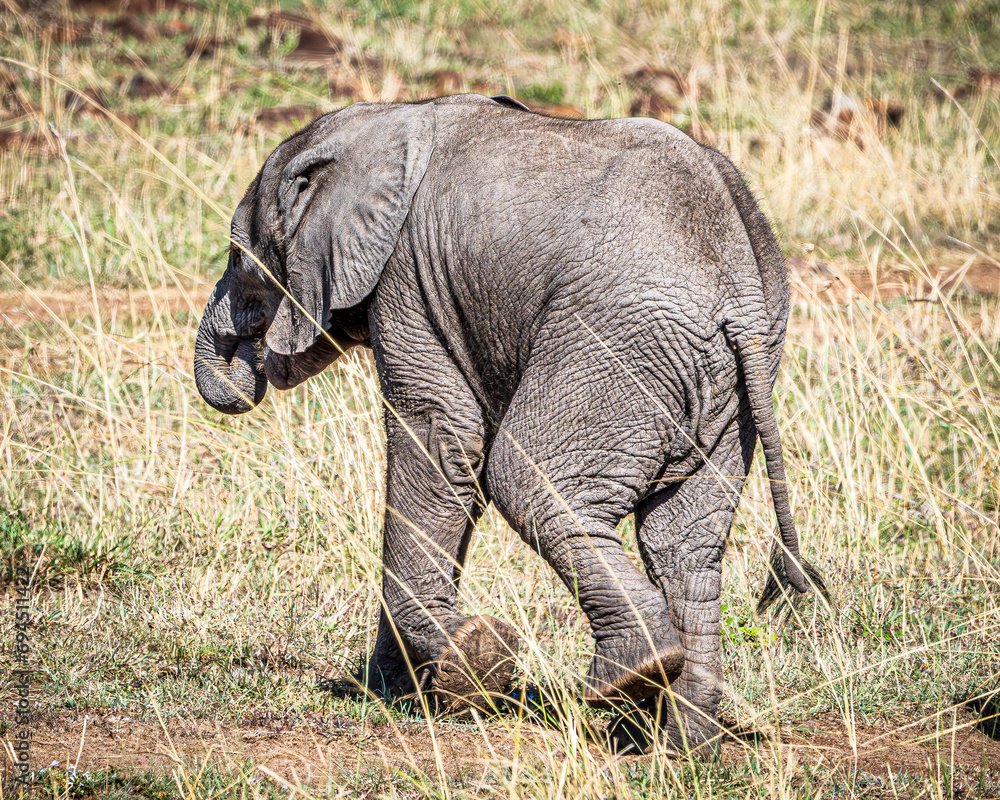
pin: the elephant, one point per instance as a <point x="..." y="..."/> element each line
<point x="571" y="320"/>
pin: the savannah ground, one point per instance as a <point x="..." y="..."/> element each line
<point x="201" y="582"/>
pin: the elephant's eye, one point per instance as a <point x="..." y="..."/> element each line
<point x="242" y="260"/>
<point x="258" y="276"/>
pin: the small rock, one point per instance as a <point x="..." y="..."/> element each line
<point x="315" y="45"/>
<point x="651" y="104"/>
<point x="130" y="26"/>
<point x="202" y="47"/>
<point x="86" y="101"/>
<point x="143" y="86"/>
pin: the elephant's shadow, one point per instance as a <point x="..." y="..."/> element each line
<point x="546" y="707"/>
<point x="554" y="708"/>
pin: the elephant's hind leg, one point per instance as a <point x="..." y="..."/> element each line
<point x="682" y="532"/>
<point x="570" y="519"/>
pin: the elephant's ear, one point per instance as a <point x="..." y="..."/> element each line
<point x="342" y="204"/>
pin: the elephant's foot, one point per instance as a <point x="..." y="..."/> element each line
<point x="625" y="670"/>
<point x="386" y="675"/>
<point x="478" y="664"/>
<point x="680" y="731"/>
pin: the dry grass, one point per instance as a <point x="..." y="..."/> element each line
<point x="197" y="573"/>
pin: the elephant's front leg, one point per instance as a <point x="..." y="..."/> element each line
<point x="388" y="672"/>
<point x="682" y="535"/>
<point x="432" y="504"/>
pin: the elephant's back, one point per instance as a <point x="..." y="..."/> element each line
<point x="633" y="195"/>
<point x="620" y="230"/>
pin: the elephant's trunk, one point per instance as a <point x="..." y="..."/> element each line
<point x="226" y="366"/>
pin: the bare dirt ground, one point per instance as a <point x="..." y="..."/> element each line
<point x="313" y="753"/>
<point x="306" y="754"/>
<point x="815" y="280"/>
<point x="898" y="746"/>
<point x="21" y="308"/>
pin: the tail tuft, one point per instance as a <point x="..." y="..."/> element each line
<point x="777" y="587"/>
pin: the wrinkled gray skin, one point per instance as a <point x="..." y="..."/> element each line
<point x="572" y="320"/>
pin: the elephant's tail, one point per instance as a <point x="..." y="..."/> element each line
<point x="766" y="285"/>
<point x="787" y="567"/>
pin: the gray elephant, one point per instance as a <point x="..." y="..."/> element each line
<point x="573" y="320"/>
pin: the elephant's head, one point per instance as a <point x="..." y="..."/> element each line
<point x="310" y="238"/>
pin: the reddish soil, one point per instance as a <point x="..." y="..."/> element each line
<point x="309" y="752"/>
<point x="913" y="748"/>
<point x="18" y="309"/>
<point x="816" y="281"/>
